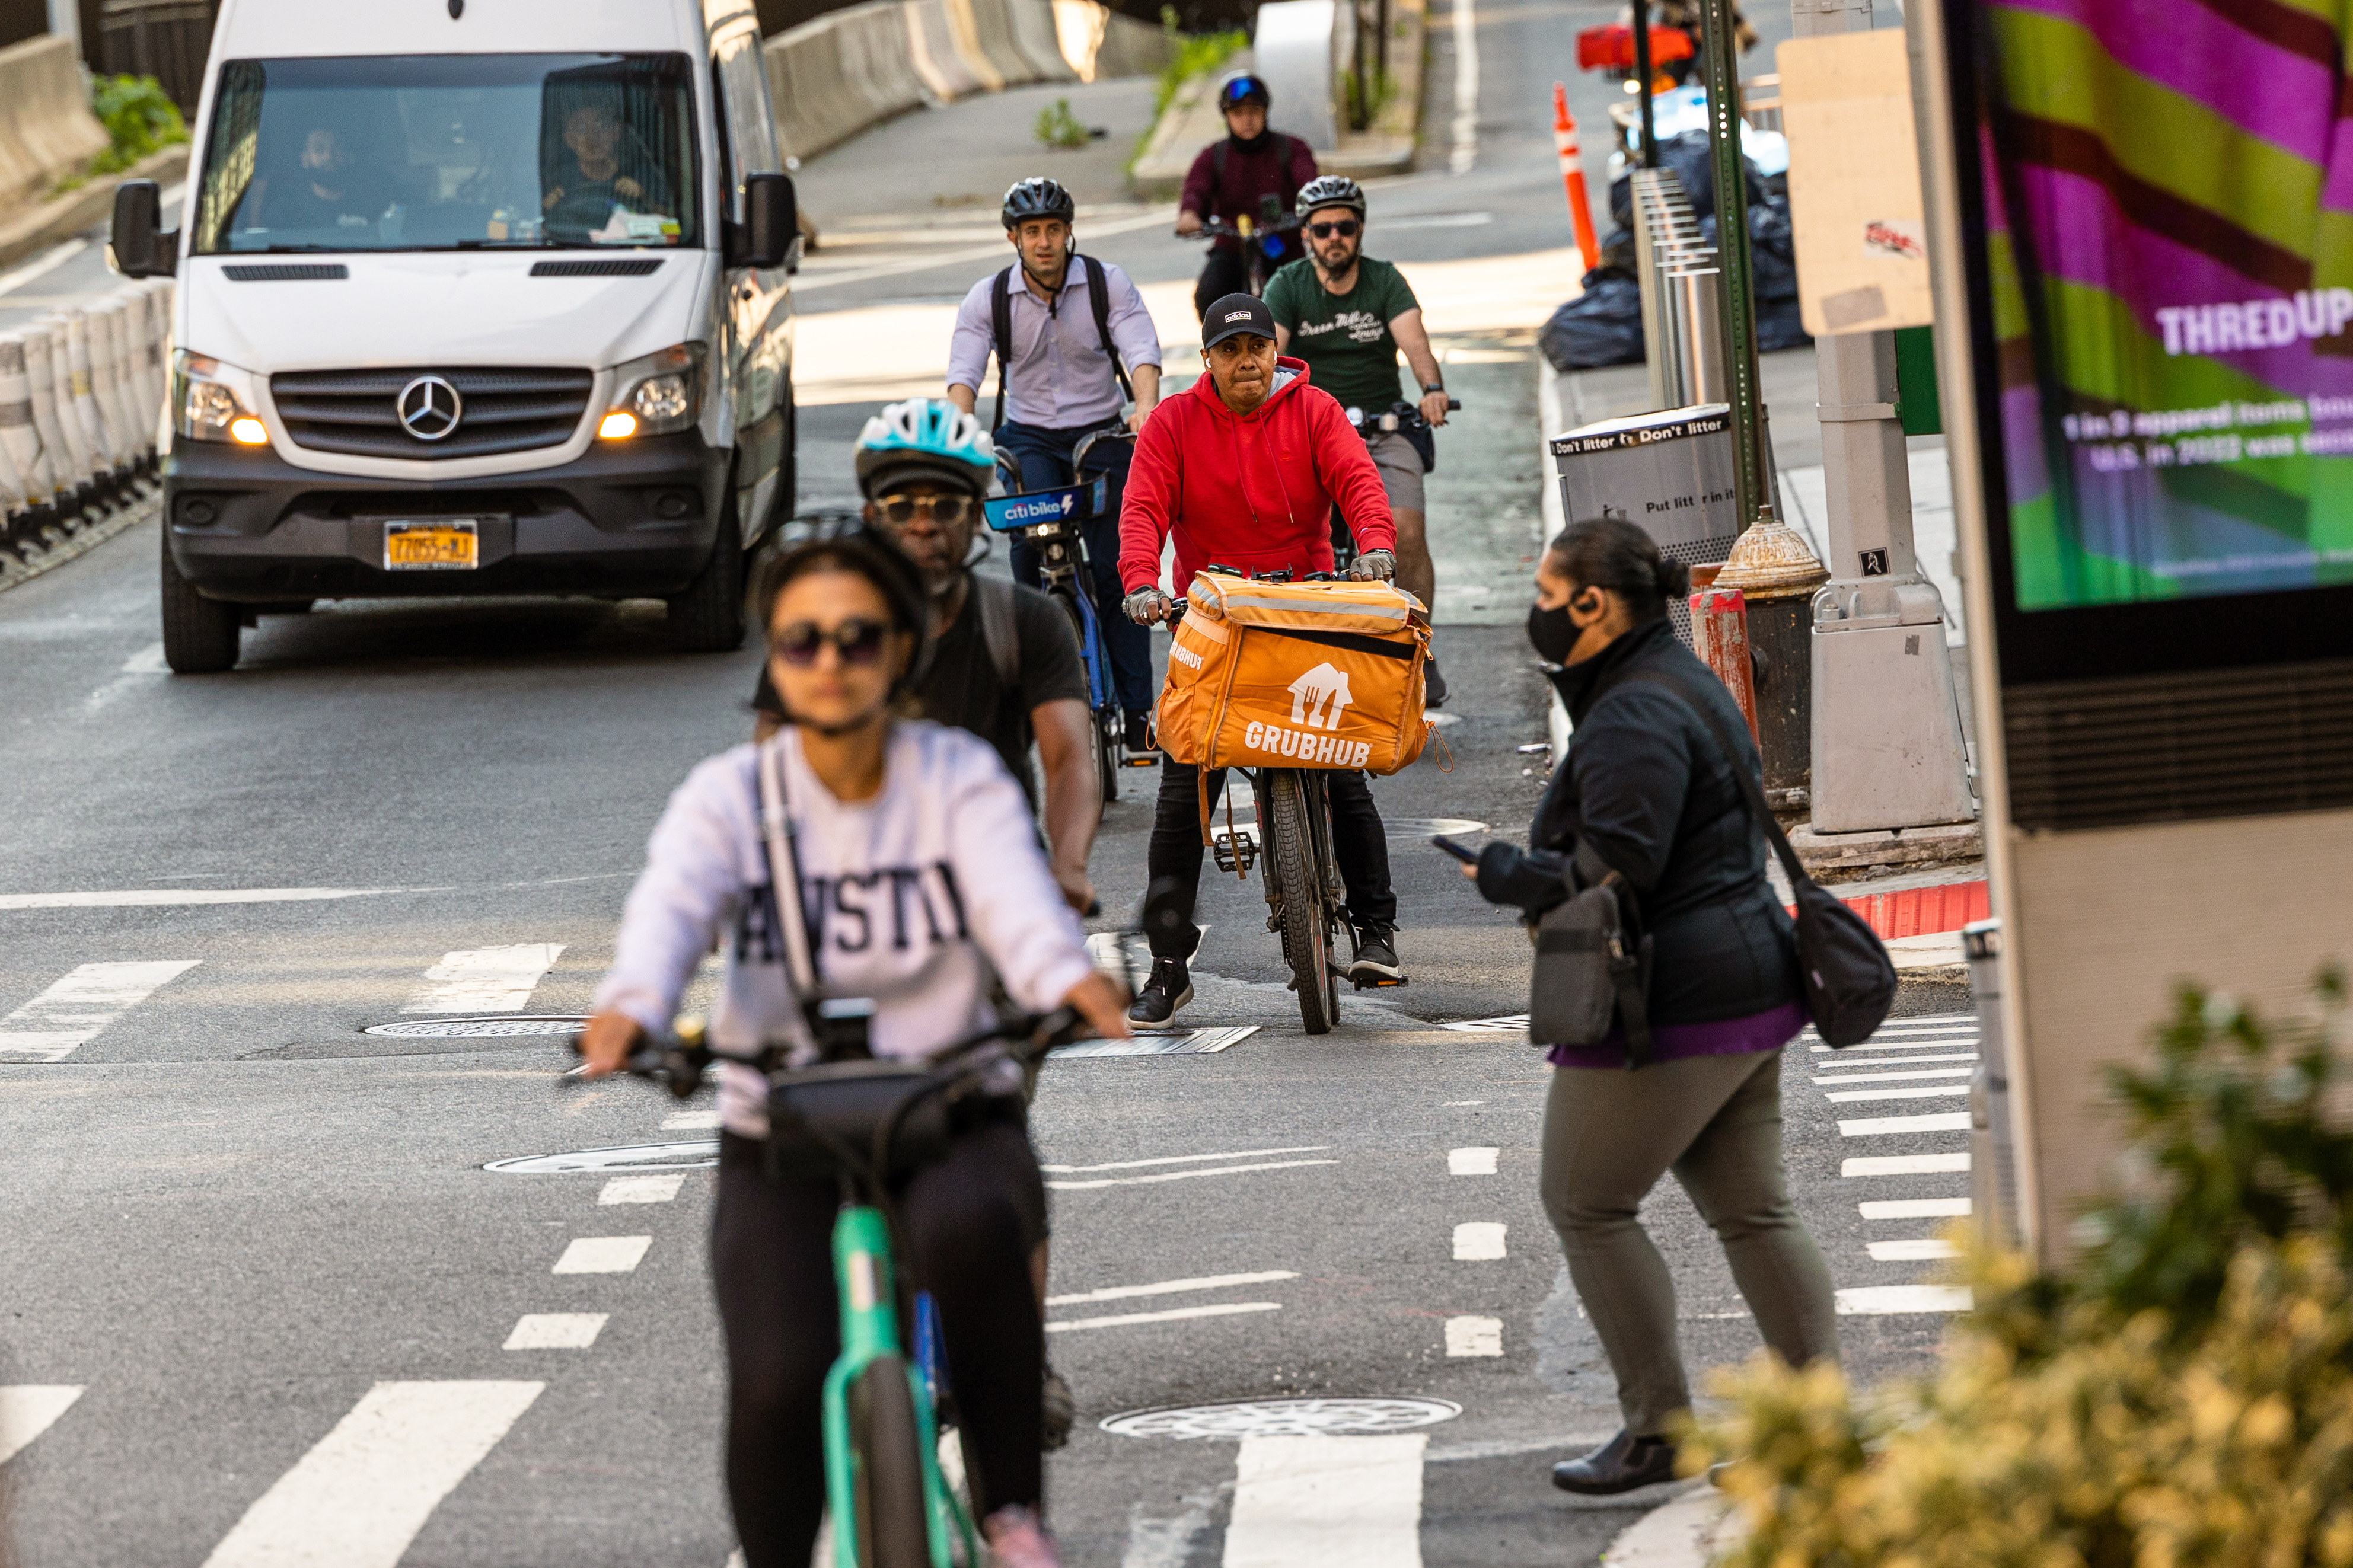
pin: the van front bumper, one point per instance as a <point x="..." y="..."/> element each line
<point x="626" y="520"/>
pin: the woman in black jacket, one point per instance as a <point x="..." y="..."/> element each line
<point x="1649" y="790"/>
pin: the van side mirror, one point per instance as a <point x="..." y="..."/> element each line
<point x="143" y="248"/>
<point x="771" y="222"/>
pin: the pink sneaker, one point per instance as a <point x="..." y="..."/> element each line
<point x="1017" y="1540"/>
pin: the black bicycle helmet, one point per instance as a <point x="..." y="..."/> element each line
<point x="1241" y="88"/>
<point x="1038" y="197"/>
<point x="1331" y="191"/>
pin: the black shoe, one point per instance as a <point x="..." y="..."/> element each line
<point x="1433" y="685"/>
<point x="1168" y="989"/>
<point x="1057" y="1411"/>
<point x="1139" y="733"/>
<point x="1626" y="1463"/>
<point x="1376" y="959"/>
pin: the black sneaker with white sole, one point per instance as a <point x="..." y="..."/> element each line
<point x="1168" y="989"/>
<point x="1376" y="960"/>
<point x="1138" y="737"/>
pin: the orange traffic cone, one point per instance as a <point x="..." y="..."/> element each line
<point x="1572" y="175"/>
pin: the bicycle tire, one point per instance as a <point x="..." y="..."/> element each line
<point x="1101" y="741"/>
<point x="887" y="1464"/>
<point x="1306" y="931"/>
<point x="1107" y="744"/>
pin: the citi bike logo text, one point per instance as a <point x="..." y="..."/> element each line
<point x="1042" y="509"/>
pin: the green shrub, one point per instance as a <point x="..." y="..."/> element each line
<point x="139" y="117"/>
<point x="1197" y="54"/>
<point x="1057" y="127"/>
<point x="2182" y="1394"/>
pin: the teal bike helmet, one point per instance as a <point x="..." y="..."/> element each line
<point x="926" y="438"/>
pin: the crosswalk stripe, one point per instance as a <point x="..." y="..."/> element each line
<point x="603" y="1253"/>
<point x="1915" y="1208"/>
<point x="359" y="1497"/>
<point x="640" y="1190"/>
<point x="1327" y="1502"/>
<point x="1171" y="1315"/>
<point x="1473" y="1162"/>
<point x="1924" y="1250"/>
<point x="78" y="1008"/>
<point x="1478" y="1241"/>
<point x="1172" y="1287"/>
<point x="1881" y="1126"/>
<point x="29" y="1409"/>
<point x="1854" y="1067"/>
<point x="1890" y="1301"/>
<point x="555" y="1332"/>
<point x="1894" y="1077"/>
<point x="485" y="979"/>
<point x="1903" y="1164"/>
<point x="1475" y="1336"/>
<point x="1944" y="1092"/>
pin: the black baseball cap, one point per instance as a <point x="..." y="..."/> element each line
<point x="1235" y="314"/>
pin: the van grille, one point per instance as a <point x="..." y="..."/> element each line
<point x="353" y="412"/>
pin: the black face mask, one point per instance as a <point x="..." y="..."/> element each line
<point x="1552" y="634"/>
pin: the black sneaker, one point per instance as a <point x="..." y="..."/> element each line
<point x="1433" y="685"/>
<point x="1057" y="1411"/>
<point x="1139" y="733"/>
<point x="1376" y="959"/>
<point x="1168" y="989"/>
<point x="1626" y="1463"/>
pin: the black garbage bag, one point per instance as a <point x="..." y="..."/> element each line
<point x="1689" y="156"/>
<point x="1772" y="253"/>
<point x="1602" y="326"/>
<point x="1779" y="326"/>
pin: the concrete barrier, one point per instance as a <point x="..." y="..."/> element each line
<point x="1028" y="25"/>
<point x="931" y="43"/>
<point x="47" y="128"/>
<point x="1131" y="47"/>
<point x="41" y="355"/>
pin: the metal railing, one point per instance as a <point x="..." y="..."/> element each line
<point x="167" y="39"/>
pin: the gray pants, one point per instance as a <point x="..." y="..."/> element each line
<point x="1715" y="1121"/>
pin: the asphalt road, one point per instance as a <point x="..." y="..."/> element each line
<point x="257" y="1285"/>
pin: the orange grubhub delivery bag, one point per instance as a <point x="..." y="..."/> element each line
<point x="1296" y="675"/>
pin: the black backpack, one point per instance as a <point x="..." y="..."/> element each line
<point x="1000" y="314"/>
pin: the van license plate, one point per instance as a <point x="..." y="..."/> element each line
<point x="450" y="545"/>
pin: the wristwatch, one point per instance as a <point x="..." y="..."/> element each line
<point x="1428" y="387"/>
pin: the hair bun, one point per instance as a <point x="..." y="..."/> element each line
<point x="1673" y="577"/>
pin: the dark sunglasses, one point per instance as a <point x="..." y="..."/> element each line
<point x="857" y="641"/>
<point x="946" y="509"/>
<point x="1346" y="229"/>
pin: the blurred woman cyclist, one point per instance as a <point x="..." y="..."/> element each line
<point x="921" y="886"/>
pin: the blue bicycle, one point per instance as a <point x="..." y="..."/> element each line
<point x="1053" y="522"/>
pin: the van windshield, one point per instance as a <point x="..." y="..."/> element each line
<point x="450" y="152"/>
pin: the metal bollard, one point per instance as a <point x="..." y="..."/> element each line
<point x="1719" y="619"/>
<point x="1993" y="1166"/>
<point x="52" y="369"/>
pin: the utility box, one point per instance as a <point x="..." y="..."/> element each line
<point x="1669" y="472"/>
<point x="1886" y="717"/>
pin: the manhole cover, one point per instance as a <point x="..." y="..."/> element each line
<point x="1424" y="826"/>
<point x="496" y="1029"/>
<point x="1283" y="1418"/>
<point x="699" y="1155"/>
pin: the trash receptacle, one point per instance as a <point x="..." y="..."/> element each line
<point x="1669" y="473"/>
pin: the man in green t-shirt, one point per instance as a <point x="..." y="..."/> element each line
<point x="1347" y="316"/>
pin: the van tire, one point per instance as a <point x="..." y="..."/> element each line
<point x="708" y="617"/>
<point x="200" y="635"/>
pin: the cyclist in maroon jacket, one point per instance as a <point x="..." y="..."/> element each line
<point x="1232" y="178"/>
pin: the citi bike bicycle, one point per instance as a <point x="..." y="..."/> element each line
<point x="1053" y="522"/>
<point x="867" y="1121"/>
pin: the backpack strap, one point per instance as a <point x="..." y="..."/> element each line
<point x="1752" y="793"/>
<point x="1099" y="296"/>
<point x="1000" y="316"/>
<point x="993" y="598"/>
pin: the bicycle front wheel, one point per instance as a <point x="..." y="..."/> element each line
<point x="1306" y="918"/>
<point x="887" y="1460"/>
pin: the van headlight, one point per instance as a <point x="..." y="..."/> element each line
<point x="656" y="394"/>
<point x="212" y="402"/>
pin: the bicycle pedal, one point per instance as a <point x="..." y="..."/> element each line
<point x="1139" y="760"/>
<point x="1380" y="982"/>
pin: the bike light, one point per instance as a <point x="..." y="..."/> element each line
<point x="656" y="394"/>
<point x="618" y="425"/>
<point x="211" y="402"/>
<point x="249" y="431"/>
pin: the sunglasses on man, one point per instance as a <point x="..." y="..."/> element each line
<point x="947" y="511"/>
<point x="1347" y="228"/>
<point x="856" y="640"/>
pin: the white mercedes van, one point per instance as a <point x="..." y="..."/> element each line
<point x="474" y="297"/>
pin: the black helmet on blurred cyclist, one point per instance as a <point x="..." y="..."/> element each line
<point x="1241" y="88"/>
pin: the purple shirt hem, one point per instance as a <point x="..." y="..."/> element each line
<point x="1673" y="1042"/>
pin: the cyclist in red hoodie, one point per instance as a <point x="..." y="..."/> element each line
<point x="1244" y="468"/>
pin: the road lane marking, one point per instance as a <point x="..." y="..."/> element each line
<point x="1466" y="89"/>
<point x="175" y="898"/>
<point x="1897" y="1077"/>
<point x="689" y="1120"/>
<point x="1881" y="1126"/>
<point x="1915" y="1208"/>
<point x="41" y="266"/>
<point x="1903" y="1164"/>
<point x="359" y="1497"/>
<point x="29" y="1409"/>
<point x="1468" y="1335"/>
<point x="1470" y="1161"/>
<point x="1890" y="1301"/>
<point x="1172" y="1315"/>
<point x="1181" y="1159"/>
<point x="1171" y="1287"/>
<point x="555" y="1332"/>
<point x="1924" y="1250"/>
<point x="1463" y="1101"/>
<point x="1929" y="1043"/>
<point x="1889" y="1062"/>
<point x="1851" y="1096"/>
<point x="640" y="1190"/>
<point x="1478" y="1241"/>
<point x="485" y="979"/>
<point x="603" y="1254"/>
<point x="78" y="1008"/>
<point x="1327" y="1502"/>
<point x="1181" y="1175"/>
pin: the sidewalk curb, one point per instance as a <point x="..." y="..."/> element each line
<point x="44" y="224"/>
<point x="1684" y="1534"/>
<point x="85" y="538"/>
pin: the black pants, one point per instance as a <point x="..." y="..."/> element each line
<point x="1358" y="842"/>
<point x="1226" y="272"/>
<point x="971" y="1221"/>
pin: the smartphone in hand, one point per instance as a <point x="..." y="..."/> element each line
<point x="1455" y="847"/>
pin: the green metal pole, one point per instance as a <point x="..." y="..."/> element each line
<point x="1720" y="54"/>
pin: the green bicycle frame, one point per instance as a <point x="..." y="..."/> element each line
<point x="862" y="1269"/>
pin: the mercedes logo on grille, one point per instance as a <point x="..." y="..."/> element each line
<point x="429" y="408"/>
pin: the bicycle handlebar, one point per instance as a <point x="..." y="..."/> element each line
<point x="679" y="1062"/>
